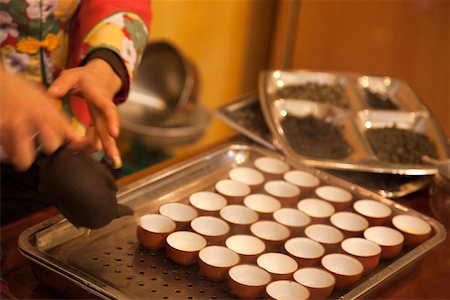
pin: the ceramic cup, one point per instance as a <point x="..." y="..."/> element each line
<point x="305" y="251"/>
<point x="247" y="246"/>
<point x="207" y="203"/>
<point x="329" y="236"/>
<point x="152" y="230"/>
<point x="285" y="192"/>
<point x="319" y="282"/>
<point x="183" y="247"/>
<point x="248" y="281"/>
<point x="389" y="239"/>
<point x="272" y="168"/>
<point x="318" y="210"/>
<point x="263" y="204"/>
<point x="351" y="224"/>
<point x="213" y="229"/>
<point x="294" y="219"/>
<point x="272" y="233"/>
<point x="250" y="176"/>
<point x="216" y="261"/>
<point x="182" y="214"/>
<point x="280" y="266"/>
<point x="346" y="269"/>
<point x="414" y="229"/>
<point x="234" y="191"/>
<point x="375" y="212"/>
<point x="239" y="217"/>
<point x="339" y="197"/>
<point x="306" y="181"/>
<point x="367" y="252"/>
<point x="287" y="289"/>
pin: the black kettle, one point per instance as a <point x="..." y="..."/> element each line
<point x="81" y="188"/>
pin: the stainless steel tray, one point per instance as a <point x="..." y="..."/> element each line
<point x="245" y="116"/>
<point x="348" y="108"/>
<point x="111" y="264"/>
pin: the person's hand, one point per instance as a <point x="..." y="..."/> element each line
<point x="97" y="84"/>
<point x="26" y="113"/>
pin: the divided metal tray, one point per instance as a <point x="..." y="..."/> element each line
<point x="245" y="116"/>
<point x="346" y="100"/>
<point x="111" y="264"/>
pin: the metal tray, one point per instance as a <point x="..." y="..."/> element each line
<point x="282" y="95"/>
<point x="111" y="264"/>
<point x="245" y="116"/>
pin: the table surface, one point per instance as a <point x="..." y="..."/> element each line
<point x="428" y="279"/>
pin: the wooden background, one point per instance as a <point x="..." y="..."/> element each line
<point x="231" y="41"/>
<point x="406" y="39"/>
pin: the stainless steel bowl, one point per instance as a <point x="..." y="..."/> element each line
<point x="165" y="82"/>
<point x="162" y="109"/>
<point x="183" y="128"/>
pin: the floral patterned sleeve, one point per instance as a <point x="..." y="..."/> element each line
<point x="117" y="25"/>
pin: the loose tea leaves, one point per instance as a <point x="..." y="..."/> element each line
<point x="323" y="93"/>
<point x="400" y="146"/>
<point x="251" y="117"/>
<point x="316" y="138"/>
<point x="380" y="101"/>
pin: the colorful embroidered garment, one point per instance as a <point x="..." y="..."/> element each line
<point x="40" y="38"/>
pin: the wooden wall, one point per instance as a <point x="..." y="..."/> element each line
<point x="407" y="39"/>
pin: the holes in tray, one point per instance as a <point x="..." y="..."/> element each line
<point x="151" y="273"/>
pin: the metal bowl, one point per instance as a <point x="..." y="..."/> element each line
<point x="162" y="109"/>
<point x="165" y="82"/>
<point x="184" y="127"/>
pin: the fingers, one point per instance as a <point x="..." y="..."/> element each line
<point x="84" y="81"/>
<point x="90" y="143"/>
<point x="67" y="81"/>
<point x="97" y="84"/>
<point x="20" y="142"/>
<point x="108" y="142"/>
<point x="50" y="140"/>
<point x="103" y="109"/>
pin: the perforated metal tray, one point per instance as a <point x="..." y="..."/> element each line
<point x="111" y="264"/>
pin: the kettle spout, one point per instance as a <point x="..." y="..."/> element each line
<point x="123" y="210"/>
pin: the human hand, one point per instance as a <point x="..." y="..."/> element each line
<point x="27" y="112"/>
<point x="97" y="83"/>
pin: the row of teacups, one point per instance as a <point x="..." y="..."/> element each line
<point x="414" y="229"/>
<point x="184" y="247"/>
<point x="357" y="247"/>
<point x="345" y="224"/>
<point x="291" y="222"/>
